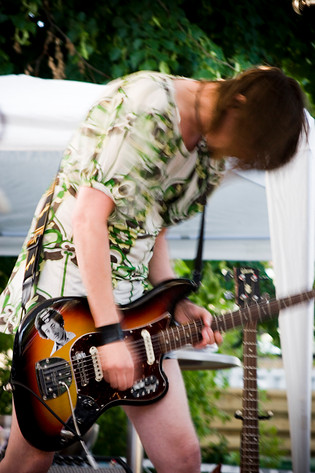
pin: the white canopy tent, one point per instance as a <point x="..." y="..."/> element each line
<point x="39" y="118"/>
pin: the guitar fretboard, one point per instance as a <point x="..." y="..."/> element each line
<point x="181" y="335"/>
<point x="258" y="312"/>
<point x="250" y="428"/>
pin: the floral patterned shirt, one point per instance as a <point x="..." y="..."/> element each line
<point x="129" y="147"/>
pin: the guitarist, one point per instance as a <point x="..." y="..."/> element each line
<point x="139" y="163"/>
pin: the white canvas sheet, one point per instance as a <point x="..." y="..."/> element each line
<point x="291" y="204"/>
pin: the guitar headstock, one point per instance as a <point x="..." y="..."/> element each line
<point x="247" y="286"/>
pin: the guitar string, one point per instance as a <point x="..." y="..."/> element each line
<point x="225" y="320"/>
<point x="140" y="353"/>
<point x="138" y="346"/>
<point x="222" y="322"/>
<point x="139" y="350"/>
<point x="87" y="362"/>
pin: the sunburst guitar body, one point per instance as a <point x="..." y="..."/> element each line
<point x="59" y="391"/>
<point x="46" y="386"/>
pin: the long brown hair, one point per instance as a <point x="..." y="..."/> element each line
<point x="270" y="119"/>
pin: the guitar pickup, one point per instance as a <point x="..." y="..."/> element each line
<point x="145" y="334"/>
<point x="80" y="369"/>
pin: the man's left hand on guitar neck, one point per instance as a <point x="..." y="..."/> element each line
<point x="186" y="311"/>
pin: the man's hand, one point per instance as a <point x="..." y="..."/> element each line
<point x="117" y="364"/>
<point x="186" y="311"/>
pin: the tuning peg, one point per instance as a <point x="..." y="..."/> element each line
<point x="238" y="414"/>
<point x="227" y="274"/>
<point x="229" y="296"/>
<point x="265" y="416"/>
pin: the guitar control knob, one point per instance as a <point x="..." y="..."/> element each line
<point x="87" y="402"/>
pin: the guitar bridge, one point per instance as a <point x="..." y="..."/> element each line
<point x="52" y="375"/>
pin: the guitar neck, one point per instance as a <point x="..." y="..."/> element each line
<point x="258" y="312"/>
<point x="178" y="336"/>
<point x="250" y="428"/>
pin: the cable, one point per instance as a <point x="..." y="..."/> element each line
<point x="88" y="454"/>
<point x="17" y="383"/>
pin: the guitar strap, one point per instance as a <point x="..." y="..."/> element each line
<point x="197" y="273"/>
<point x="33" y="249"/>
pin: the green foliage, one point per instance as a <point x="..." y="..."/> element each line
<point x="117" y="39"/>
<point x="6" y="342"/>
<point x="112" y="438"/>
<point x="262" y="32"/>
<point x="6" y="266"/>
<point x="100" y="41"/>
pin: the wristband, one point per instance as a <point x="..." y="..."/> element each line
<point x="110" y="333"/>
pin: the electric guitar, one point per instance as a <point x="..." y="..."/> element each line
<point x="58" y="395"/>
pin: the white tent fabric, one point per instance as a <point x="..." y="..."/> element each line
<point x="291" y="203"/>
<point x="40" y="116"/>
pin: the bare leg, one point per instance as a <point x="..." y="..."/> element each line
<point x="21" y="457"/>
<point x="166" y="430"/>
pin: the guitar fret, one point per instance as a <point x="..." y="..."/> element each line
<point x="178" y="338"/>
<point x="250" y="355"/>
<point x="250" y="430"/>
<point x="249" y="447"/>
<point x="250" y="330"/>
<point x="249" y="450"/>
<point x="190" y="333"/>
<point x="171" y="338"/>
<point x="250" y="384"/>
<point x="249" y="461"/>
<point x="250" y="408"/>
<point x="258" y="312"/>
<point x="249" y="313"/>
<point x="191" y="337"/>
<point x="165" y="341"/>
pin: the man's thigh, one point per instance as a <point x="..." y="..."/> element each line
<point x="165" y="426"/>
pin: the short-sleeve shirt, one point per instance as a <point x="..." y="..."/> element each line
<point x="129" y="147"/>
